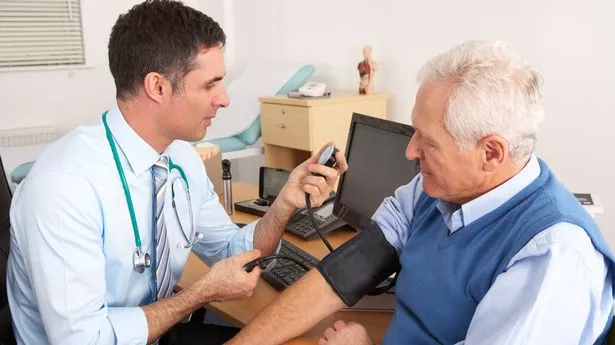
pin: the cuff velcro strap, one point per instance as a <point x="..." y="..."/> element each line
<point x="359" y="265"/>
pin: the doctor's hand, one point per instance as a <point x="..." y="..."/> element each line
<point x="302" y="181"/>
<point x="228" y="280"/>
<point x="345" y="333"/>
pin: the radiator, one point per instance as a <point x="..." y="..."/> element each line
<point x="27" y="136"/>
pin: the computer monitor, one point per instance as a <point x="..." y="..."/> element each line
<point x="377" y="166"/>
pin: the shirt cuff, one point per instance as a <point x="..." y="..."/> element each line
<point x="250" y="233"/>
<point x="244" y="239"/>
<point x="129" y="325"/>
<point x="246" y="243"/>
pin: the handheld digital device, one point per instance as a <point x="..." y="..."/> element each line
<point x="327" y="158"/>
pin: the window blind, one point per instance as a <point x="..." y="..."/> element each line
<point x="40" y="33"/>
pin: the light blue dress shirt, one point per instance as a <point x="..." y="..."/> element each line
<point x="555" y="289"/>
<point x="70" y="273"/>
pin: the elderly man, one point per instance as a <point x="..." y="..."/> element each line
<point x="493" y="249"/>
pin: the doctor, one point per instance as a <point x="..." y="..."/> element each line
<point x="105" y="220"/>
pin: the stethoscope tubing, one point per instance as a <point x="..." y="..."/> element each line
<point x="140" y="260"/>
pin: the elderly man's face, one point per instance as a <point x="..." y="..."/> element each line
<point x="448" y="172"/>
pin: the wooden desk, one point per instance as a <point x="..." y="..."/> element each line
<point x="241" y="312"/>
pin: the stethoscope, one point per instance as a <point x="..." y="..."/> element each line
<point x="142" y="260"/>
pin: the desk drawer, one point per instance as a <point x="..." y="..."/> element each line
<point x="286" y="125"/>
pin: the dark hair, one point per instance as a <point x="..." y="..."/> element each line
<point x="159" y="36"/>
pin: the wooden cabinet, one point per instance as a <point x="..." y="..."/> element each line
<point x="295" y="129"/>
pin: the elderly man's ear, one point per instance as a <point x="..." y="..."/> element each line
<point x="494" y="150"/>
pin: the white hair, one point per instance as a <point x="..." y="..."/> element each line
<point x="495" y="92"/>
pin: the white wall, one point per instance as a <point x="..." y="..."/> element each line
<point x="66" y="98"/>
<point x="571" y="42"/>
<point x="63" y="97"/>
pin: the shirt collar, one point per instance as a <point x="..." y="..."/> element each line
<point x="139" y="154"/>
<point x="457" y="217"/>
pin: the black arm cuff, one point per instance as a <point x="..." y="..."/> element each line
<point x="359" y="265"/>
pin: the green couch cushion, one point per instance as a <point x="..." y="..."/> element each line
<point x="229" y="144"/>
<point x="252" y="133"/>
<point x="19" y="173"/>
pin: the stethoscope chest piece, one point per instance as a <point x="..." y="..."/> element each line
<point x="141" y="261"/>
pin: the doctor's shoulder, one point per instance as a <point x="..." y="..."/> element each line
<point x="78" y="152"/>
<point x="59" y="174"/>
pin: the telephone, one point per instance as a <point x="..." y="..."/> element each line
<point x="311" y="89"/>
<point x="300" y="224"/>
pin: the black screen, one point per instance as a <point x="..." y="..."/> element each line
<point x="376" y="167"/>
<point x="272" y="181"/>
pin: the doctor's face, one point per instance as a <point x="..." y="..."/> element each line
<point x="191" y="109"/>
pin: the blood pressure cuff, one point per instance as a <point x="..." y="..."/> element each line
<point x="359" y="265"/>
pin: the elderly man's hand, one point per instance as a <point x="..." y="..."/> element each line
<point x="345" y="334"/>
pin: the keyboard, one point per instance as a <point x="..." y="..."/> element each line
<point x="286" y="272"/>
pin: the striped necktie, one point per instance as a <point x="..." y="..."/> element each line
<point x="164" y="278"/>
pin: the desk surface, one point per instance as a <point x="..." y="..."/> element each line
<point x="241" y="312"/>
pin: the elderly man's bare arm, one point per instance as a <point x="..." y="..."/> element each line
<point x="294" y="312"/>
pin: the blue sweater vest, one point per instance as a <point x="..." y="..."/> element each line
<point x="444" y="277"/>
